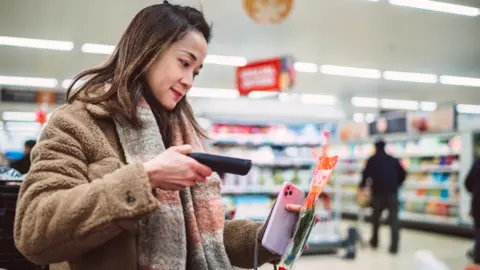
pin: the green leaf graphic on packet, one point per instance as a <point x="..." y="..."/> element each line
<point x="306" y="220"/>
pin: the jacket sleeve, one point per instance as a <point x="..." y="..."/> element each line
<point x="365" y="174"/>
<point x="60" y="212"/>
<point x="239" y="238"/>
<point x="402" y="173"/>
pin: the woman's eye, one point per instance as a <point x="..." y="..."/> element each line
<point x="185" y="63"/>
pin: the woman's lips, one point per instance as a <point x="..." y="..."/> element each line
<point x="177" y="94"/>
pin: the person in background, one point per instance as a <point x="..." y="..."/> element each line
<point x="472" y="184"/>
<point x="386" y="175"/>
<point x="111" y="184"/>
<point x="23" y="165"/>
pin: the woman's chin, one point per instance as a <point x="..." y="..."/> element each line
<point x="170" y="105"/>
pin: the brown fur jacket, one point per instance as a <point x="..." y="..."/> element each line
<point x="79" y="205"/>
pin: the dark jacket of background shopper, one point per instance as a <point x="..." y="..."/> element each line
<point x="386" y="172"/>
<point x="472" y="184"/>
<point x="23" y="165"/>
<point x="386" y="175"/>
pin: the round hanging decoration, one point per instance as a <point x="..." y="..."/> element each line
<point x="268" y="11"/>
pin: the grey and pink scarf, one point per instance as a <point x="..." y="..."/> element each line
<point x="186" y="232"/>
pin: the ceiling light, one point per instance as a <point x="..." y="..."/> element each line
<point x="351" y="71"/>
<point x="467" y="108"/>
<point x="318" y="99"/>
<point x="14" y="126"/>
<point x="66" y="83"/>
<point x="217" y="93"/>
<point x="262" y="94"/>
<point x="364" y="102"/>
<point x="37" y="43"/>
<point x="369" y="117"/>
<point x="428" y="106"/>
<point x="28" y="81"/>
<point x="306" y="67"/>
<point x="399" y="104"/>
<point x="286" y="97"/>
<point x="410" y="77"/>
<point x="464" y="81"/>
<point x="358" y="117"/>
<point x="225" y="60"/>
<point x="97" y="48"/>
<point x="437" y="6"/>
<point x="19" y="116"/>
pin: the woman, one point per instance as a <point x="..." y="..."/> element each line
<point x="82" y="208"/>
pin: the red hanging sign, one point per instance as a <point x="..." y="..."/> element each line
<point x="271" y="75"/>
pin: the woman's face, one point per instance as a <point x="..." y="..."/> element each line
<point x="172" y="74"/>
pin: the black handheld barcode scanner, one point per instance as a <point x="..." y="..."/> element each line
<point x="222" y="164"/>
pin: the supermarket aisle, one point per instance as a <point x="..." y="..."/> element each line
<point x="450" y="250"/>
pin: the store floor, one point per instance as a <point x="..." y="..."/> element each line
<point x="450" y="250"/>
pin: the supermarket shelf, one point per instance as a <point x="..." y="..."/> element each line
<point x="287" y="165"/>
<point x="259" y="191"/>
<point x="428" y="184"/>
<point x="432" y="169"/>
<point x="409" y="183"/>
<point x="430" y="223"/>
<point x="262" y="143"/>
<point x="416" y="217"/>
<point x="428" y="200"/>
<point x="400" y="137"/>
<point x="402" y="155"/>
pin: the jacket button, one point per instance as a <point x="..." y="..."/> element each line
<point x="129" y="198"/>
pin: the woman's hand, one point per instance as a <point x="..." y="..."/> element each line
<point x="296" y="208"/>
<point x="174" y="170"/>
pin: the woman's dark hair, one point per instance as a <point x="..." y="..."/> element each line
<point x="150" y="32"/>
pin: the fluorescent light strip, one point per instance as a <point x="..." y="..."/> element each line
<point x="66" y="83"/>
<point x="217" y="93"/>
<point x="351" y="72"/>
<point x="19" y="116"/>
<point x="399" y="104"/>
<point x="468" y="108"/>
<point x="365" y="102"/>
<point x="361" y="117"/>
<point x="410" y="77"/>
<point x="262" y="94"/>
<point x="28" y="81"/>
<point x="437" y="6"/>
<point x="210" y="59"/>
<point x="37" y="43"/>
<point x="14" y="126"/>
<point x="318" y="99"/>
<point x="306" y="67"/>
<point x="225" y="60"/>
<point x="463" y="81"/>
<point x="97" y="48"/>
<point x="286" y="97"/>
<point x="428" y="106"/>
<point x="358" y="117"/>
<point x="369" y="117"/>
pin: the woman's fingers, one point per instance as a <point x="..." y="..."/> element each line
<point x="182" y="149"/>
<point x="294" y="208"/>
